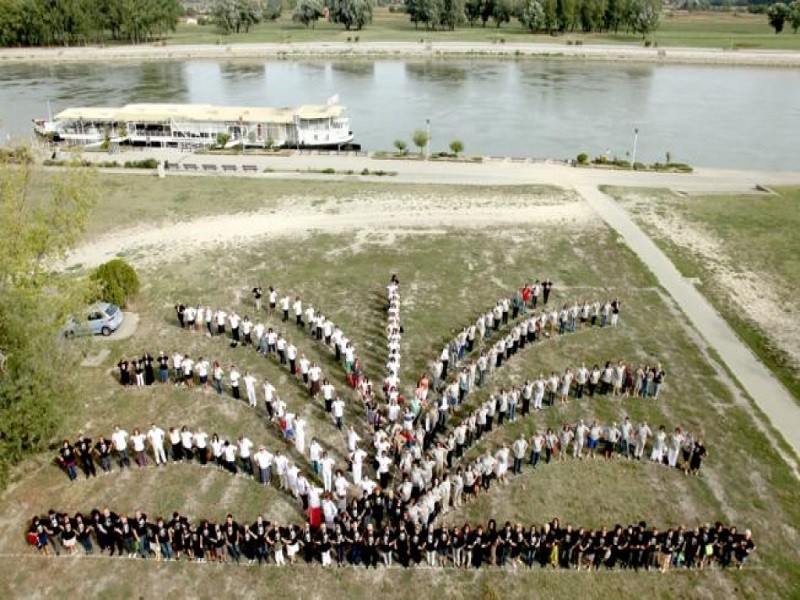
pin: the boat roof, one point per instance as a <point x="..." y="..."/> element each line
<point x="200" y="113"/>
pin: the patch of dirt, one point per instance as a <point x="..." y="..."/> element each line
<point x="753" y="294"/>
<point x="392" y="214"/>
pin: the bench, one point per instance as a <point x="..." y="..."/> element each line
<point x="253" y="168"/>
<point x="228" y="168"/>
<point x="173" y="166"/>
<point x="189" y="167"/>
<point x="209" y="167"/>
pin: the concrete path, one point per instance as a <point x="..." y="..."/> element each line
<point x="770" y="395"/>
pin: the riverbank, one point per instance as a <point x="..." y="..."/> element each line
<point x="405" y="50"/>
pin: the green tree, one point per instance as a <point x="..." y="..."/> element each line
<point x="778" y="14"/>
<point x="501" y="12"/>
<point x="456" y="147"/>
<point x="795" y="15"/>
<point x="353" y="14"/>
<point x="473" y="10"/>
<point x="645" y="15"/>
<point x="420" y="139"/>
<point x="451" y="14"/>
<point x="531" y="15"/>
<point x="307" y="12"/>
<point x="248" y="13"/>
<point x="614" y="14"/>
<point x="37" y="381"/>
<point x="550" y="15"/>
<point x="401" y="146"/>
<point x="224" y="15"/>
<point x="115" y="281"/>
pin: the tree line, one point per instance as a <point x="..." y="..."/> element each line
<point x="551" y="16"/>
<point x="76" y="22"/>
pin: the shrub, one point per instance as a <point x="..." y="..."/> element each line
<point x="223" y="139"/>
<point x="637" y="166"/>
<point x="116" y="281"/>
<point x="457" y="146"/>
<point x="365" y="171"/>
<point x="148" y="163"/>
<point x="583" y="158"/>
<point x="328" y="171"/>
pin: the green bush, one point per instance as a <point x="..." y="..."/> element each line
<point x="116" y="281"/>
<point x="365" y="171"/>
<point x="583" y="158"/>
<point x="148" y="163"/>
<point x="328" y="171"/>
<point x="637" y="166"/>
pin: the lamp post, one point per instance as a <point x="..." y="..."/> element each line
<point x="428" y="142"/>
<point x="635" y="139"/>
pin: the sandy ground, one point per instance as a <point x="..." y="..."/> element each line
<point x="393" y="214"/>
<point x="753" y="294"/>
<point x="405" y="50"/>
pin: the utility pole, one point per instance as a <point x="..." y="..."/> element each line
<point x="635" y="139"/>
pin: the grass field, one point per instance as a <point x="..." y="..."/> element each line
<point x="745" y="250"/>
<point x="448" y="276"/>
<point x="703" y="30"/>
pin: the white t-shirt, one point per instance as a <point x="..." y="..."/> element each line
<point x="156" y="437"/>
<point x="120" y="439"/>
<point x="338" y="408"/>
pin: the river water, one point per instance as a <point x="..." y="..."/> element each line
<point x="705" y="116"/>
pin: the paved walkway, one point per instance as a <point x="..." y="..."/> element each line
<point x="770" y="395"/>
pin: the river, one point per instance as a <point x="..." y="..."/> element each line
<point x="704" y="116"/>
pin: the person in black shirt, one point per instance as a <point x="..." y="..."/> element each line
<point x="743" y="548"/>
<point x="124" y="372"/>
<point x="103" y="450"/>
<point x="370" y="543"/>
<point x="149" y="373"/>
<point x="547" y="287"/>
<point x="84" y="449"/>
<point x="477" y="545"/>
<point x="180" y="308"/>
<point x="84" y="534"/>
<point x="230" y="531"/>
<point x="259" y="530"/>
<point x="163" y="367"/>
<point x="68" y="460"/>
<point x="257" y="293"/>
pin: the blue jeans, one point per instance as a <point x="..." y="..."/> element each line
<point x="517" y="465"/>
<point x="218" y="385"/>
<point x="72" y="472"/>
<point x="265" y="474"/>
<point x="163" y="375"/>
<point x="512" y="411"/>
<point x="535" y="458"/>
<point x="124" y="460"/>
<point x="481" y="375"/>
<point x="166" y="550"/>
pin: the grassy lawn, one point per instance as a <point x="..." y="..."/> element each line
<point x="756" y="234"/>
<point x="705" y="30"/>
<point x="448" y="277"/>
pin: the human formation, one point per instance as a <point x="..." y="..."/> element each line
<point x="414" y="451"/>
<point x="376" y="531"/>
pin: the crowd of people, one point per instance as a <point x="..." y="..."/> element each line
<point x="376" y="531"/>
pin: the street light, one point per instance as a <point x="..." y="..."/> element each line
<point x="428" y="142"/>
<point x="635" y="139"/>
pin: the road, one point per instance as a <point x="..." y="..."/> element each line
<point x="768" y="393"/>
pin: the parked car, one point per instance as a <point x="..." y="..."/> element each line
<point x="103" y="318"/>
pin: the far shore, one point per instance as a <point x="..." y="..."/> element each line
<point x="410" y="50"/>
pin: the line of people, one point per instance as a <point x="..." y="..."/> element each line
<point x="394" y="331"/>
<point x="373" y="533"/>
<point x="182" y="444"/>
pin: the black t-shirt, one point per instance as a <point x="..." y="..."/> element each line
<point x="84" y="447"/>
<point x="257" y="293"/>
<point x="163" y="362"/>
<point x="103" y="448"/>
<point x="67" y="454"/>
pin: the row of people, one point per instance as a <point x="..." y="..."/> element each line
<point x="353" y="541"/>
<point x="394" y="330"/>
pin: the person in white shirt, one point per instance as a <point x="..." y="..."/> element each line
<point x="520" y="446"/>
<point x="314" y="455"/>
<point x="263" y="460"/>
<point x="202" y="367"/>
<point x="581" y="430"/>
<point x="245" y="446"/>
<point x="156" y="437"/>
<point x="187" y="366"/>
<point x="285" y="301"/>
<point x="221" y="317"/>
<point x="273" y="300"/>
<point x="201" y="443"/>
<point x="641" y="439"/>
<point x="269" y="396"/>
<point x="234" y="321"/>
<point x="234" y="379"/>
<point x="340" y="485"/>
<point x="120" y="441"/>
<point x="352" y="439"/>
<point x="338" y="413"/>
<point x="281" y="464"/>
<point x="300" y="435"/>
<point x="187" y="443"/>
<point x="327" y="464"/>
<point x="229" y="457"/>
<point x="298" y="311"/>
<point x="291" y="355"/>
<point x="139" y="439"/>
<point x="250" y="386"/>
<point x="357" y="460"/>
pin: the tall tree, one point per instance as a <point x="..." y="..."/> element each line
<point x="531" y="15"/>
<point x="794" y="7"/>
<point x="614" y="14"/>
<point x="353" y="14"/>
<point x="473" y="10"/>
<point x="646" y="16"/>
<point x="550" y="15"/>
<point x="501" y="12"/>
<point x="37" y="380"/>
<point x="307" y="12"/>
<point x="778" y="14"/>
<point x="451" y="14"/>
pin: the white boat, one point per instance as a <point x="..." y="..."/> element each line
<point x="170" y="125"/>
